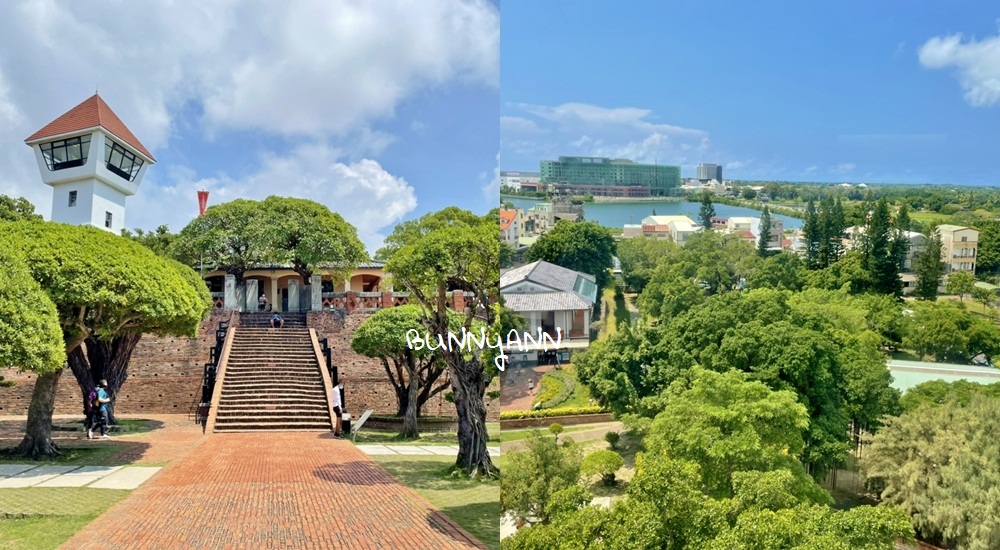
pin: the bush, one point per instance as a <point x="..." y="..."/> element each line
<point x="568" y="500"/>
<point x="555" y="429"/>
<point x="495" y="394"/>
<point x="549" y="388"/>
<point x="562" y="382"/>
<point x="603" y="463"/>
<point x="612" y="439"/>
<point x="564" y="411"/>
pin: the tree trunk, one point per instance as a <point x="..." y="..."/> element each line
<point x="37" y="442"/>
<point x="107" y="360"/>
<point x="412" y="404"/>
<point x="469" y="385"/>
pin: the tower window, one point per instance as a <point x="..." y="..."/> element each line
<point x="107" y="220"/>
<point x="66" y="153"/>
<point x="120" y="161"/>
<point x="72" y="199"/>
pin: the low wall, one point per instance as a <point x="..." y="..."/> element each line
<point x="561" y="420"/>
<point x="165" y="375"/>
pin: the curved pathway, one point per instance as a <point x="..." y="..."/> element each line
<point x="273" y="490"/>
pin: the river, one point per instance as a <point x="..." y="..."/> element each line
<point x="617" y="214"/>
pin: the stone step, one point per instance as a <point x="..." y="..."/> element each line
<point x="282" y="425"/>
<point x="256" y="404"/>
<point x="251" y="372"/>
<point x="271" y="363"/>
<point x="311" y="413"/>
<point x="268" y="394"/>
<point x="275" y="389"/>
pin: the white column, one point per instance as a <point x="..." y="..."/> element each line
<point x="231" y="294"/>
<point x="293" y="295"/>
<point x="316" y="283"/>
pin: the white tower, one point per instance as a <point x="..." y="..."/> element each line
<point x="92" y="161"/>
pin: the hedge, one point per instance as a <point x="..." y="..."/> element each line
<point x="557" y="386"/>
<point x="544" y="413"/>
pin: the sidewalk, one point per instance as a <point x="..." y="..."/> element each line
<point x="425" y="450"/>
<point x="274" y="490"/>
<point x="95" y="477"/>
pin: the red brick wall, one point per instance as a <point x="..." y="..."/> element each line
<point x="164" y="377"/>
<point x="366" y="385"/>
<point x="166" y="373"/>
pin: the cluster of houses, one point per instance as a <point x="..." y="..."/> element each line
<point x="520" y="229"/>
<point x="679" y="229"/>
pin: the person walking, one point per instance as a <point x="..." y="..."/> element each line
<point x="90" y="411"/>
<point x="103" y="408"/>
<point x="531" y="386"/>
<point x="338" y="411"/>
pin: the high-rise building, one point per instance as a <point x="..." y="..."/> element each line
<point x="610" y="177"/>
<point x="515" y="179"/>
<point x="709" y="172"/>
<point x="93" y="162"/>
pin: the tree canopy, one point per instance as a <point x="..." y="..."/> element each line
<point x="30" y="337"/>
<point x="582" y="246"/>
<point x="17" y="209"/>
<point x="242" y="234"/>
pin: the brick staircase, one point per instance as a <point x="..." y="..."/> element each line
<point x="272" y="381"/>
<point x="263" y="320"/>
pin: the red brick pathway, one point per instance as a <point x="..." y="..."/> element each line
<point x="280" y="490"/>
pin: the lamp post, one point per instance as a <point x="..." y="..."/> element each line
<point x="202" y="204"/>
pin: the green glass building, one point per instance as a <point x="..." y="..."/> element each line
<point x="595" y="173"/>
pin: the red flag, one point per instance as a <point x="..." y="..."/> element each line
<point x="202" y="202"/>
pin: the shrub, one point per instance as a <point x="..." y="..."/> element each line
<point x="555" y="429"/>
<point x="612" y="439"/>
<point x="545" y="413"/>
<point x="564" y="382"/>
<point x="549" y="388"/>
<point x="495" y="394"/>
<point x="568" y="500"/>
<point x="603" y="463"/>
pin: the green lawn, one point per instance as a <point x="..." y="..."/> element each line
<point x="475" y="505"/>
<point x="559" y="380"/>
<point x="52" y="514"/>
<point x="98" y="453"/>
<point x="391" y="437"/>
<point x="507" y="436"/>
<point x="924" y="217"/>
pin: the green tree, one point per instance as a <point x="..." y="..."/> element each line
<point x="227" y="237"/>
<point x="466" y="257"/>
<point x="782" y="271"/>
<point x="749" y="194"/>
<point x="103" y="287"/>
<point x="506" y="255"/>
<point x="900" y="240"/>
<point x="764" y="239"/>
<point x="929" y="268"/>
<point x="707" y="211"/>
<point x="988" y="253"/>
<point x="415" y="374"/>
<point x="949" y="333"/>
<point x="307" y="235"/>
<point x="640" y="257"/>
<point x="30" y="337"/>
<point x="585" y="246"/>
<point x="942" y="466"/>
<point x="12" y="210"/>
<point x="880" y="260"/>
<point x="935" y="393"/>
<point x="412" y="230"/>
<point x="984" y="296"/>
<point x="159" y="241"/>
<point x="961" y="283"/>
<point x="535" y="475"/>
<point x="811" y="232"/>
<point x="603" y="463"/>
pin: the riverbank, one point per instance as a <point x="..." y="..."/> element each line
<point x="756" y="205"/>
<point x="616" y="200"/>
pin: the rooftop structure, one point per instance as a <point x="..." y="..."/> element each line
<point x="607" y="176"/>
<point x="93" y="162"/>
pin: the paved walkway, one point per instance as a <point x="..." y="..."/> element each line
<point x="425" y="450"/>
<point x="281" y="490"/>
<point x="515" y="394"/>
<point x="95" y="477"/>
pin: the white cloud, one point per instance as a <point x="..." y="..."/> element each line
<point x="625" y="132"/>
<point x="491" y="190"/>
<point x="519" y="124"/>
<point x="843" y="168"/>
<point x="363" y="192"/>
<point x="977" y="64"/>
<point x="320" y="73"/>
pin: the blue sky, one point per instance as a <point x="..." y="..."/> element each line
<point x="383" y="111"/>
<point x="875" y="92"/>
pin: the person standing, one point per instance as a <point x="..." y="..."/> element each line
<point x="103" y="411"/>
<point x="262" y="302"/>
<point x="338" y="411"/>
<point x="531" y="386"/>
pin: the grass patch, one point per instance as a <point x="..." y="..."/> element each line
<point x="621" y="313"/>
<point x="560" y="388"/>
<point x="386" y="437"/>
<point x="507" y="436"/>
<point x="98" y="454"/>
<point x="581" y="393"/>
<point x="925" y="217"/>
<point x="54" y="514"/>
<point x="475" y="505"/>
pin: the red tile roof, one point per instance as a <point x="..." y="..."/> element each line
<point x="507" y="218"/>
<point x="92" y="112"/>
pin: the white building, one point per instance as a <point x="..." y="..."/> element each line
<point x="552" y="299"/>
<point x="510" y="226"/>
<point x="749" y="229"/>
<point x="514" y="179"/>
<point x="675" y="228"/>
<point x="93" y="162"/>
